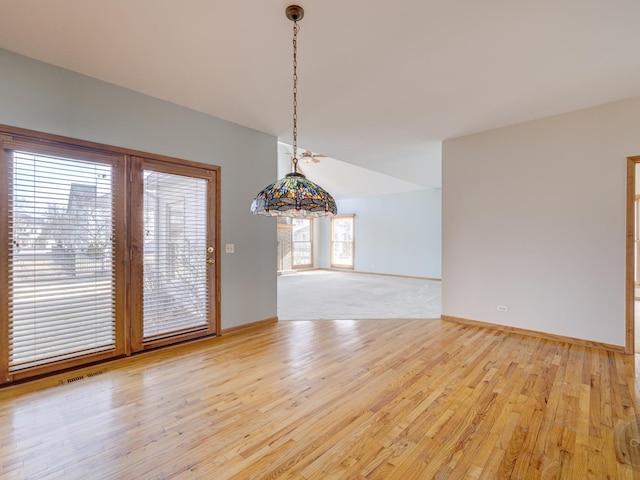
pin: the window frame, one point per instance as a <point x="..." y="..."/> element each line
<point x="636" y="246"/>
<point x="350" y="266"/>
<point x="293" y="244"/>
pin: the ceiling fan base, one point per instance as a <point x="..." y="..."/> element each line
<point x="295" y="13"/>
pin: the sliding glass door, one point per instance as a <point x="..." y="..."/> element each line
<point x="173" y="252"/>
<point x="103" y="253"/>
<point x="63" y="290"/>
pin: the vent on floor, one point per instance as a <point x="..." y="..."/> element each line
<point x="80" y="377"/>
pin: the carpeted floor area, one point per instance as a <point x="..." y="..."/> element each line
<point x="332" y="295"/>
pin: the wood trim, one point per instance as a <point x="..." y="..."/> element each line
<point x="249" y="326"/>
<point x="176" y="166"/>
<point x="72" y="363"/>
<point x="174" y="339"/>
<point x="534" y="333"/>
<point x="5" y="237"/>
<point x="217" y="215"/>
<point x="134" y="306"/>
<point x="212" y="241"/>
<point x="119" y="182"/>
<point x="61" y="149"/>
<point x="100" y="148"/>
<point x="629" y="261"/>
<point x="127" y="264"/>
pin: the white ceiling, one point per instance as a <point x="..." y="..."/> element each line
<point x="381" y="83"/>
<point x="342" y="179"/>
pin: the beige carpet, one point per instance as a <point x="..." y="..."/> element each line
<point x="331" y="295"/>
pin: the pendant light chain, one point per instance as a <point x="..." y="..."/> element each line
<point x="296" y="28"/>
<point x="294" y="195"/>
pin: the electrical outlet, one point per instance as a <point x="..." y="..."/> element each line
<point x="503" y="308"/>
<point x="229" y="248"/>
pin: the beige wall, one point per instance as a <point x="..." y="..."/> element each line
<point x="534" y="219"/>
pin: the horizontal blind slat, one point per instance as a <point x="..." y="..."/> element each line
<point x="61" y="285"/>
<point x="175" y="254"/>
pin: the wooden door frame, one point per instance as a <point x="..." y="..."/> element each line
<point x="630" y="267"/>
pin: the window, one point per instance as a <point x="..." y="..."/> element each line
<point x="105" y="253"/>
<point x="301" y="235"/>
<point x="342" y="230"/>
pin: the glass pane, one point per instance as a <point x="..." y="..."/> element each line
<point x="301" y="235"/>
<point x="342" y="229"/>
<point x="342" y="253"/>
<point x="301" y="253"/>
<point x="175" y="254"/>
<point x="61" y="274"/>
<point x="301" y="230"/>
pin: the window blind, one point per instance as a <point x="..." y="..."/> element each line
<point x="175" y="254"/>
<point x="61" y="270"/>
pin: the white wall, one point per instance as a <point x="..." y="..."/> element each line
<point x="42" y="97"/>
<point x="322" y="242"/>
<point x="534" y="218"/>
<point x="397" y="234"/>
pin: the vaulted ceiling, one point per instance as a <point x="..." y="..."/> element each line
<point x="381" y="83"/>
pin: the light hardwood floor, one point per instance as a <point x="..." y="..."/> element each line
<point x="384" y="399"/>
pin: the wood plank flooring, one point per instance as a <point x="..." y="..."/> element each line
<point x="379" y="399"/>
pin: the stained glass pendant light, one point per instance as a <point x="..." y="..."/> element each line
<point x="294" y="195"/>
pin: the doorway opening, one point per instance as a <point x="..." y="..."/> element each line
<point x="633" y="255"/>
